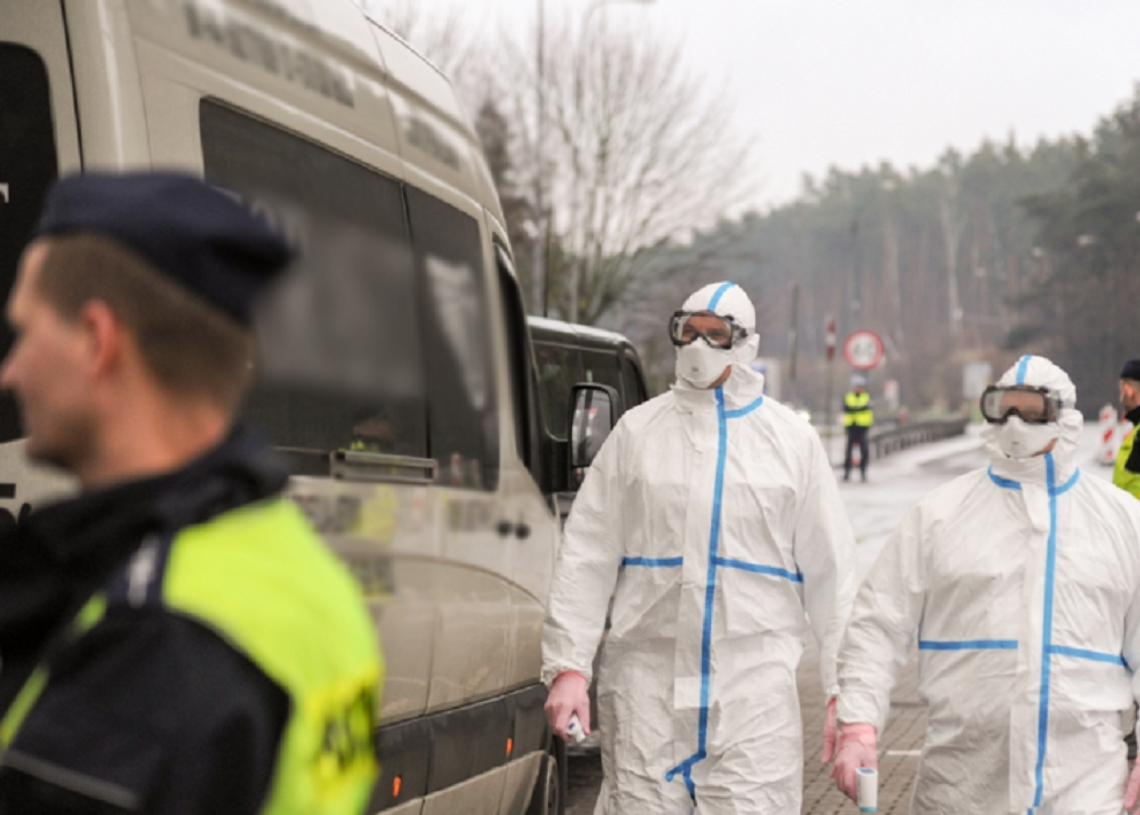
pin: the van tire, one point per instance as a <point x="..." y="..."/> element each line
<point x="549" y="796"/>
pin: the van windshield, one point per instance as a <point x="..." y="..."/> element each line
<point x="27" y="168"/>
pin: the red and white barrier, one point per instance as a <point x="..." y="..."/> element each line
<point x="1113" y="429"/>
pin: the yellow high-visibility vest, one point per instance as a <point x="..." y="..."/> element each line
<point x="261" y="577"/>
<point x="1121" y="476"/>
<point x="862" y="416"/>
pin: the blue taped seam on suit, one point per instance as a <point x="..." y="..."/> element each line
<point x="652" y="562"/>
<point x="685" y="768"/>
<point x="1022" y="368"/>
<point x="728" y="563"/>
<point x="1084" y="653"/>
<point x="1068" y="485"/>
<point x="719" y="293"/>
<point x="744" y="411"/>
<point x="1046" y="631"/>
<point x="1004" y="483"/>
<point x="967" y="645"/>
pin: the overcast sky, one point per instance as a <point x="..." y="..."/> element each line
<point x="852" y="82"/>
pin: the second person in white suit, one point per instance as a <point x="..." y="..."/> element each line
<point x="1021" y="583"/>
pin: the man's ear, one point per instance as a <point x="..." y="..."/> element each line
<point x="105" y="334"/>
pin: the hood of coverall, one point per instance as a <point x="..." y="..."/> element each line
<point x="699" y="361"/>
<point x="1038" y="372"/>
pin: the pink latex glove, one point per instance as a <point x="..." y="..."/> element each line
<point x="569" y="693"/>
<point x="857" y="748"/>
<point x="1132" y="788"/>
<point x="830" y="734"/>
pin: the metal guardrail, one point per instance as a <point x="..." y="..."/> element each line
<point x="889" y="440"/>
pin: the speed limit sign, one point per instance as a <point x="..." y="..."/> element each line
<point x="863" y="350"/>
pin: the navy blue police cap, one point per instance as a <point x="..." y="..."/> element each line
<point x="193" y="233"/>
<point x="1131" y="370"/>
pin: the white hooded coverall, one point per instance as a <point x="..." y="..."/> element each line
<point x="1021" y="583"/>
<point x="714" y="519"/>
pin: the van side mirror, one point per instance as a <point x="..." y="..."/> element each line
<point x="594" y="411"/>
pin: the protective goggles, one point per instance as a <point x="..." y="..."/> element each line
<point x="1032" y="405"/>
<point x="719" y="331"/>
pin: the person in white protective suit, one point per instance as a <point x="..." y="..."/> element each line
<point x="713" y="518"/>
<point x="1021" y="583"/>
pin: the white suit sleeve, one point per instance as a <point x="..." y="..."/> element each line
<point x="586" y="569"/>
<point x="1131" y="649"/>
<point x="887" y="612"/>
<point x="825" y="555"/>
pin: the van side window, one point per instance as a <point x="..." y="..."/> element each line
<point x="633" y="383"/>
<point x="520" y="364"/>
<point x="602" y="367"/>
<point x="369" y="343"/>
<point x="28" y="165"/>
<point x="559" y="369"/>
<point x="340" y="357"/>
<point x="463" y="422"/>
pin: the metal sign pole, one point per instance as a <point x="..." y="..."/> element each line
<point x="829" y="335"/>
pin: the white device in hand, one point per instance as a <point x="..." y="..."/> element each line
<point x="867" y="789"/>
<point x="574" y="729"/>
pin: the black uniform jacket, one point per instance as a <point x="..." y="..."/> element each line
<point x="1133" y="462"/>
<point x="150" y="711"/>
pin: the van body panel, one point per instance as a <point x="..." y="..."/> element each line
<point x="455" y="566"/>
<point x="107" y="88"/>
<point x="478" y="796"/>
<point x="519" y="782"/>
<point x="415" y="76"/>
<point x="182" y="55"/>
<point x="410" y="808"/>
<point x="386" y="534"/>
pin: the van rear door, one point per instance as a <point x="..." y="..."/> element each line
<point x="38" y="140"/>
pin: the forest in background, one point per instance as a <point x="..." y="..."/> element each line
<point x="980" y="258"/>
<point x="1009" y="249"/>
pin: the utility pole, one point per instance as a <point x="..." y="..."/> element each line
<point x="793" y="332"/>
<point x="538" y="295"/>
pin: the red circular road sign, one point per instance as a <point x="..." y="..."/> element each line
<point x="863" y="350"/>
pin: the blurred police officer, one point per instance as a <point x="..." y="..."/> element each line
<point x="857" y="419"/>
<point x="1126" y="474"/>
<point x="175" y="639"/>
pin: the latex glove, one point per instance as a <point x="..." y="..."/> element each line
<point x="1132" y="788"/>
<point x="569" y="693"/>
<point x="830" y="735"/>
<point x="857" y="748"/>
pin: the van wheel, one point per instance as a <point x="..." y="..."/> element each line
<point x="549" y="797"/>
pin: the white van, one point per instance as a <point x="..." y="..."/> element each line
<point x="397" y="371"/>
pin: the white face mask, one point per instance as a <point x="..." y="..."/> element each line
<point x="1020" y="440"/>
<point x="700" y="364"/>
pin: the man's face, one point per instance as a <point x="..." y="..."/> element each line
<point x="47" y="370"/>
<point x="1129" y="394"/>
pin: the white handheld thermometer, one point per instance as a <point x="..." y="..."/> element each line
<point x="867" y="789"/>
<point x="574" y="729"/>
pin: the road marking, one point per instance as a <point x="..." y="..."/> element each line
<point x="914" y="753"/>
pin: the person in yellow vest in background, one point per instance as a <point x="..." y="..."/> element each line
<point x="1126" y="474"/>
<point x="176" y="638"/>
<point x="857" y="419"/>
